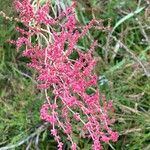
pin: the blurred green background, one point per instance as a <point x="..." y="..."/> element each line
<point x="123" y="55"/>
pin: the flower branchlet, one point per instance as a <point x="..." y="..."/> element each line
<point x="71" y="79"/>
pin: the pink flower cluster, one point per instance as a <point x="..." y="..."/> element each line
<point x="70" y="85"/>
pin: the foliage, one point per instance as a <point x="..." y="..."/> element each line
<point x="122" y="77"/>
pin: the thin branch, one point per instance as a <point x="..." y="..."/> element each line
<point x="26" y="75"/>
<point x="134" y="56"/>
<point x="37" y="132"/>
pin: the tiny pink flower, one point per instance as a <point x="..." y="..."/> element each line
<point x="74" y="146"/>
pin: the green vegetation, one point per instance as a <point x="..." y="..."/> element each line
<point x="123" y="64"/>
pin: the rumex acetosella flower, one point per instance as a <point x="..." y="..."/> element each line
<point x="50" y="43"/>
